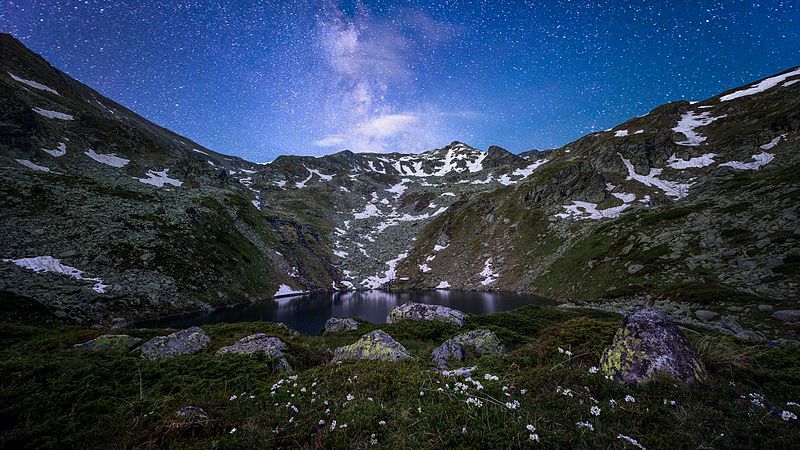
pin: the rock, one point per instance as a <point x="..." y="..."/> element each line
<point x="648" y="345"/>
<point x="259" y="343"/>
<point x="375" y="345"/>
<point x="634" y="268"/>
<point x="479" y="342"/>
<point x="421" y="311"/>
<point x="340" y="325"/>
<point x="183" y="342"/>
<point x="706" y="315"/>
<point x="119" y="322"/>
<point x="764" y="308"/>
<point x="110" y="342"/>
<point x="787" y="315"/>
<point x="193" y="414"/>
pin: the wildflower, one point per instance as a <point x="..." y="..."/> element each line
<point x="631" y="440"/>
<point x="560" y="350"/>
<point x="630" y="399"/>
<point x="291" y="419"/>
<point x="382" y="423"/>
<point x="350" y="397"/>
<point x="333" y="425"/>
<point x="523" y="391"/>
<point x="419" y="410"/>
<point x="568" y="353"/>
<point x="233" y="430"/>
<point x="530" y="428"/>
<point x="373" y="440"/>
<point x="757" y="399"/>
<point x="252" y="396"/>
<point x="328" y="411"/>
<point x="594" y="410"/>
<point x="490" y="377"/>
<point x="533" y="437"/>
<point x="463" y="430"/>
<point x="421" y="393"/>
<point x="232" y="398"/>
<point x="585" y="425"/>
<point x="302" y="389"/>
<point x="344" y="425"/>
<point x="788" y="415"/>
<point x="370" y="399"/>
<point x="669" y="402"/>
<point x="593" y="370"/>
<point x="792" y="404"/>
<point x="512" y="404"/>
<point x="321" y="422"/>
<point x="612" y="402"/>
<point x="474" y="401"/>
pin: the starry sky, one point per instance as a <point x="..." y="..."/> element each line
<point x="262" y="78"/>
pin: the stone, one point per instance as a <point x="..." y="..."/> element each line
<point x="255" y="343"/>
<point x="193" y="414"/>
<point x="634" y="268"/>
<point x="647" y="345"/>
<point x="787" y="315"/>
<point x="764" y="308"/>
<point x="375" y="345"/>
<point x="421" y="311"/>
<point x="183" y="342"/>
<point x="340" y="325"/>
<point x="706" y="315"/>
<point x="110" y="342"/>
<point x="479" y="342"/>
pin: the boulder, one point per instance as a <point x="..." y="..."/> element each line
<point x="479" y="342"/>
<point x="193" y="414"/>
<point x="255" y="343"/>
<point x="649" y="345"/>
<point x="110" y="342"/>
<point x="183" y="342"/>
<point x="375" y="345"/>
<point x="340" y="325"/>
<point x="421" y="311"/>
<point x="787" y="315"/>
<point x="259" y="343"/>
<point x="706" y="315"/>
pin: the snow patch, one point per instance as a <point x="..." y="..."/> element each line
<point x="761" y="160"/>
<point x="110" y="159"/>
<point x="761" y="86"/>
<point x="697" y="162"/>
<point x="773" y="142"/>
<point x="285" y="290"/>
<point x="687" y="124"/>
<point x="31" y="165"/>
<point x="376" y="281"/>
<point x="587" y="210"/>
<point x="59" y="151"/>
<point x="159" y="179"/>
<point x="443" y="285"/>
<point x="489" y="276"/>
<point x="52" y="114"/>
<point x="34" y="84"/>
<point x="621" y="133"/>
<point x="670" y="188"/>
<point x="53" y="265"/>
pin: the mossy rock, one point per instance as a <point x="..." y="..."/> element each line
<point x="649" y="345"/>
<point x="375" y="345"/>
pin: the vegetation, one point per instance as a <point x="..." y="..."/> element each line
<point x="544" y="393"/>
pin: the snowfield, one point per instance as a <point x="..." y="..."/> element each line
<point x="49" y="264"/>
<point x="34" y="84"/>
<point x="109" y="159"/>
<point x="159" y="179"/>
<point x="52" y="114"/>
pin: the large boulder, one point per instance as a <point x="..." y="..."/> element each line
<point x="340" y="325"/>
<point x="421" y="311"/>
<point x="375" y="345"/>
<point x="649" y="345"/>
<point x="787" y="315"/>
<point x="259" y="343"/>
<point x="478" y="342"/>
<point x="183" y="342"/>
<point x="110" y="342"/>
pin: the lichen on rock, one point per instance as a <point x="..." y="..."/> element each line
<point x="183" y="342"/>
<point x="340" y="325"/>
<point x="478" y="342"/>
<point x="375" y="345"/>
<point x="271" y="346"/>
<point x="648" y="345"/>
<point x="421" y="311"/>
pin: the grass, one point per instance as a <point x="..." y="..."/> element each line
<point x="52" y="396"/>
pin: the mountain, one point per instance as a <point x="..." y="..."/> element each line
<point x="107" y="215"/>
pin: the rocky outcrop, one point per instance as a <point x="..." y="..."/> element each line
<point x="110" y="342"/>
<point x="649" y="345"/>
<point x="340" y="325"/>
<point x="476" y="342"/>
<point x="375" y="345"/>
<point x="183" y="342"/>
<point x="421" y="311"/>
<point x="787" y="315"/>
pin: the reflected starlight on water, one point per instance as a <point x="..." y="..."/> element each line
<point x="308" y="313"/>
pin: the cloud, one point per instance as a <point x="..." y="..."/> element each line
<point x="332" y="140"/>
<point x="388" y="125"/>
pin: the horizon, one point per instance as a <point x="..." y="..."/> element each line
<point x="378" y="77"/>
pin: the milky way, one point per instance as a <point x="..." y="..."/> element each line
<point x="259" y="79"/>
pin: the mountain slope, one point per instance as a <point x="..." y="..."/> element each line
<point x="691" y="202"/>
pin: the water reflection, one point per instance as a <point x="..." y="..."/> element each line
<point x="308" y="313"/>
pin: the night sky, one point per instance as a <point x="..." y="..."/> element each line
<point x="259" y="79"/>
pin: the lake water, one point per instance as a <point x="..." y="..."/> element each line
<point x="308" y="313"/>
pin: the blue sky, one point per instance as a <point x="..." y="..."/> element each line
<point x="263" y="78"/>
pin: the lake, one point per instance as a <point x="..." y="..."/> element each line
<point x="308" y="313"/>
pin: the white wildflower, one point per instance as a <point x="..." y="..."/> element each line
<point x="490" y="377"/>
<point x="530" y="428"/>
<point x="594" y="410"/>
<point x="350" y="397"/>
<point x="232" y="398"/>
<point x="512" y="404"/>
<point x="669" y="402"/>
<point x="630" y="399"/>
<point x="233" y="430"/>
<point x="585" y="425"/>
<point x="419" y="410"/>
<point x="631" y="440"/>
<point x="474" y="401"/>
<point x="321" y="422"/>
<point x="382" y="423"/>
<point x="788" y="415"/>
<point x="302" y="389"/>
<point x="523" y="391"/>
<point x="333" y="425"/>
<point x="593" y="370"/>
<point x="533" y="437"/>
<point x="421" y="393"/>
